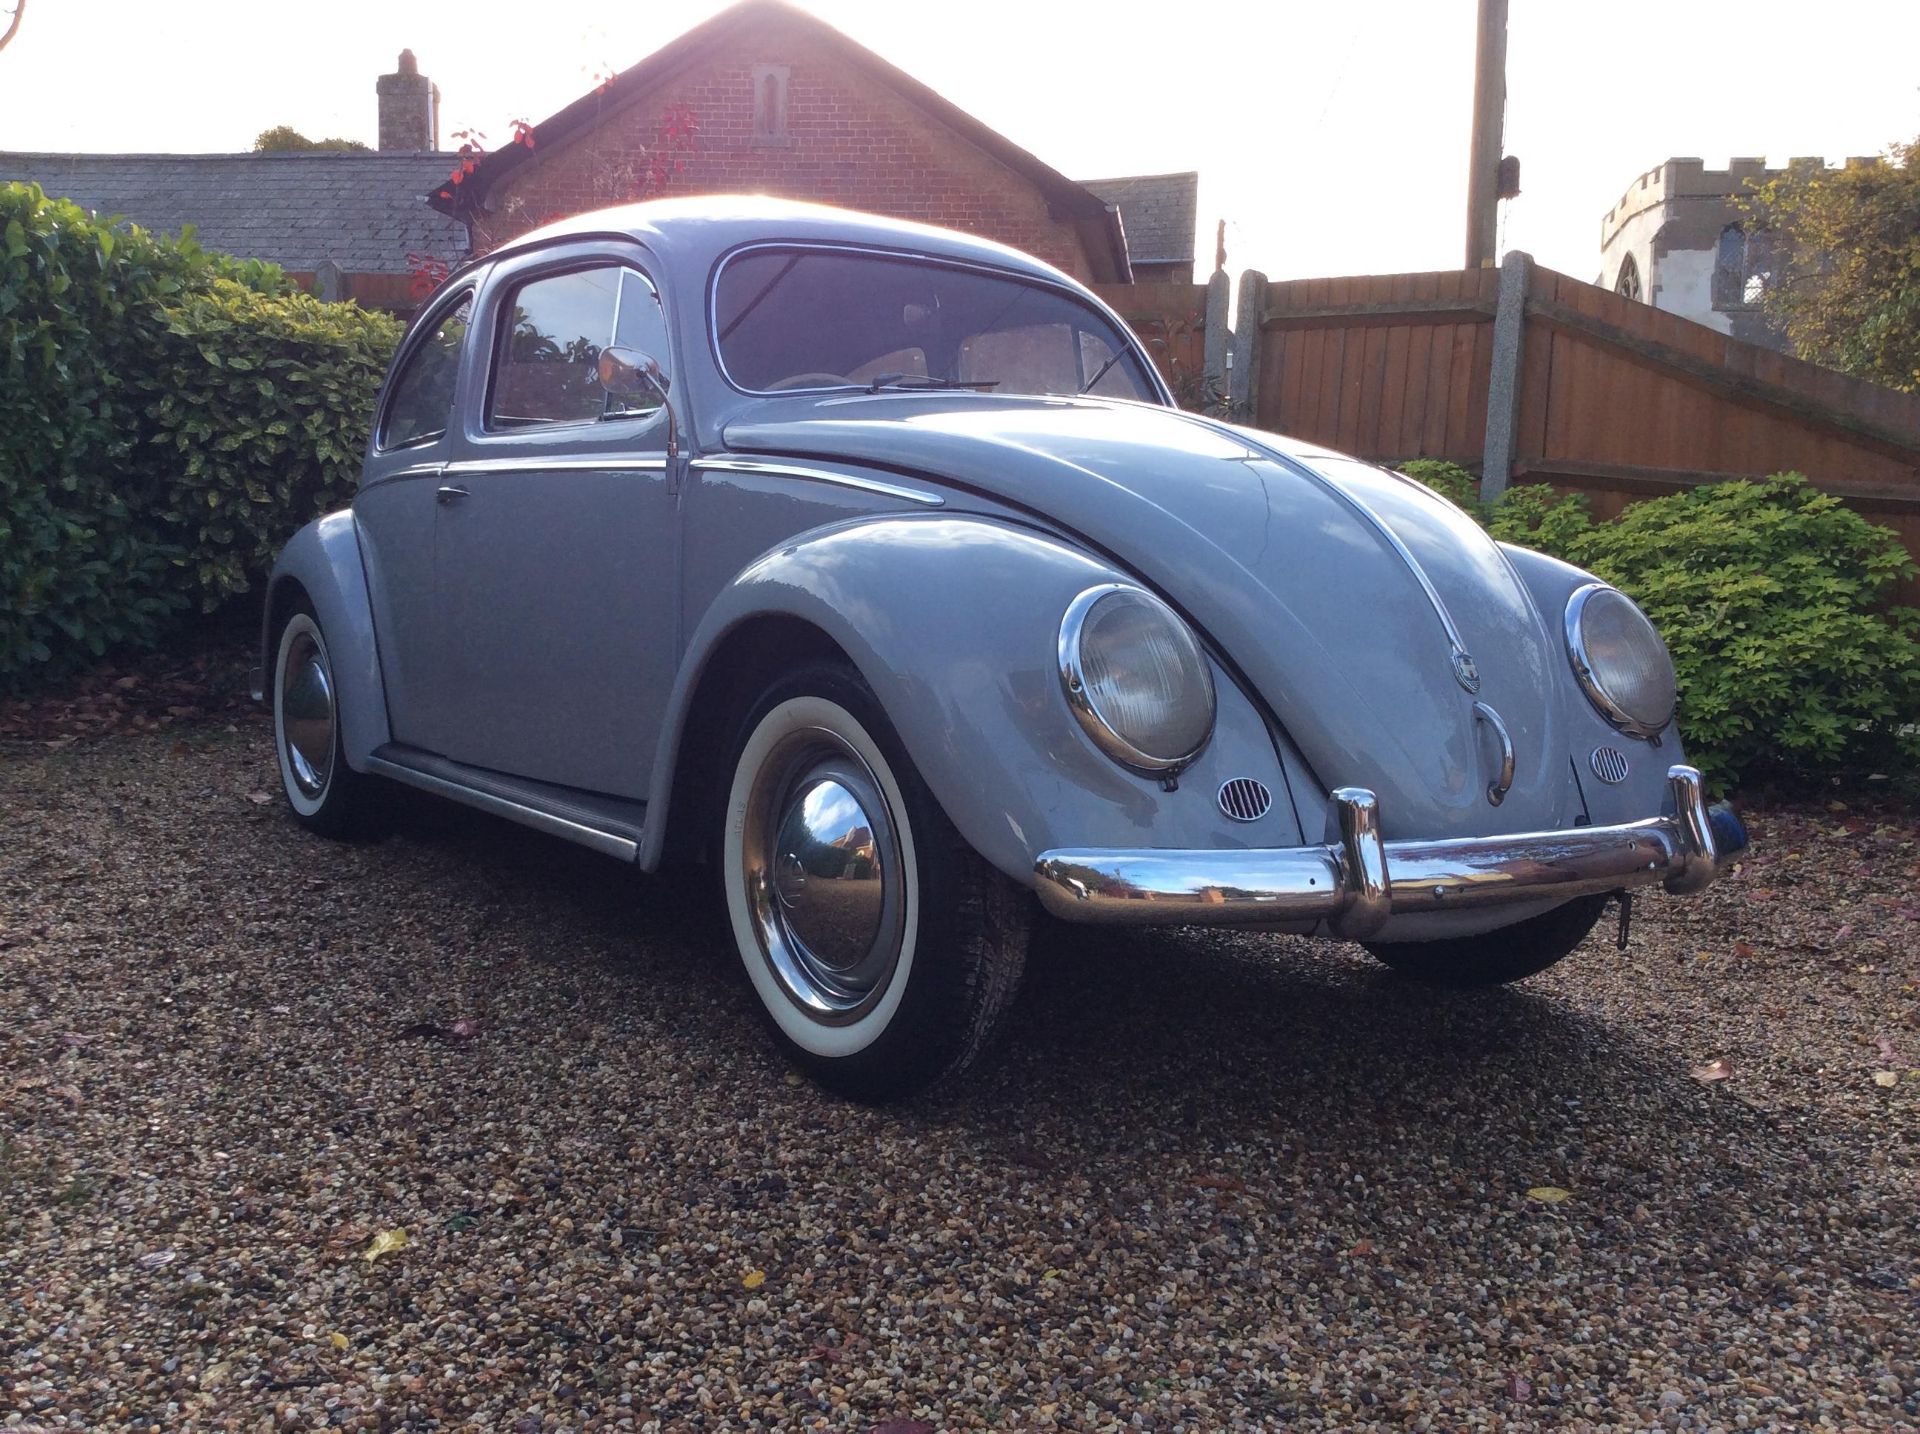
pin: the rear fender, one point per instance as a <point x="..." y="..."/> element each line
<point x="323" y="560"/>
<point x="954" y="623"/>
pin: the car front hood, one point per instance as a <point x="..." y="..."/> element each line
<point x="1306" y="568"/>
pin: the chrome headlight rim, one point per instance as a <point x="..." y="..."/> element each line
<point x="1074" y="684"/>
<point x="1603" y="701"/>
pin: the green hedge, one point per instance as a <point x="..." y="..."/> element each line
<point x="167" y="417"/>
<point x="1772" y="598"/>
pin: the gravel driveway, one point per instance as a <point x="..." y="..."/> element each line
<point x="1215" y="1182"/>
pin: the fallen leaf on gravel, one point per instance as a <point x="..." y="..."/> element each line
<point x="1549" y="1194"/>
<point x="464" y="1029"/>
<point x="339" y="1340"/>
<point x="753" y="1279"/>
<point x="827" y="1353"/>
<point x="1712" y="1071"/>
<point x="1743" y="949"/>
<point x="1884" y="1044"/>
<point x="1519" y="1388"/>
<point x="1844" y="932"/>
<point x="155" y="1259"/>
<point x="385" y="1243"/>
<point x="259" y="799"/>
<point x="1361" y="1247"/>
<point x="1888" y="1079"/>
<point x="1219" y="1182"/>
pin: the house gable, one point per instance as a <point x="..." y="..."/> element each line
<point x="783" y="104"/>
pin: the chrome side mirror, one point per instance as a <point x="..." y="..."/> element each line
<point x="630" y="373"/>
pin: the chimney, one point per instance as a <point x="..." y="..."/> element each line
<point x="409" y="107"/>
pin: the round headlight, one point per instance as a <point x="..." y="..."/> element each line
<point x="1620" y="660"/>
<point x="1136" y="678"/>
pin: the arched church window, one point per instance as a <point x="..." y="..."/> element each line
<point x="1627" y="282"/>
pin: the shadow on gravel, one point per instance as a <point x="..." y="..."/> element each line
<point x="1165" y="1065"/>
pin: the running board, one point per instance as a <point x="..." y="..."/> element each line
<point x="606" y="824"/>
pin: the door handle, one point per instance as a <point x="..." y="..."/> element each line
<point x="449" y="491"/>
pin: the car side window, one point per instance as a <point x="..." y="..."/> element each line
<point x="547" y="366"/>
<point x="420" y="399"/>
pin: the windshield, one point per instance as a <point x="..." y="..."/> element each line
<point x="818" y="318"/>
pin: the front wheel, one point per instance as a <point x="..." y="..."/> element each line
<point x="883" y="950"/>
<point x="1512" y="953"/>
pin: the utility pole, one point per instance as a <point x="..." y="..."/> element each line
<point x="1489" y="113"/>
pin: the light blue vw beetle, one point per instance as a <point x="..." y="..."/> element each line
<point x="872" y="566"/>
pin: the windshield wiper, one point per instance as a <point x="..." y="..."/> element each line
<point x="923" y="380"/>
<point x="1101" y="372"/>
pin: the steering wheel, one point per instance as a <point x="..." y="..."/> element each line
<point x="811" y="380"/>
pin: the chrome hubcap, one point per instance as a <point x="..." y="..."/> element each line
<point x="306" y="714"/>
<point x="823" y="872"/>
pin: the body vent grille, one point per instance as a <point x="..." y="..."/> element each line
<point x="1609" y="764"/>
<point x="1244" y="799"/>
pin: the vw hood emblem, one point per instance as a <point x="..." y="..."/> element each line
<point x="1464" y="671"/>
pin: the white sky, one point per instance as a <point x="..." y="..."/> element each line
<point x="1332" y="137"/>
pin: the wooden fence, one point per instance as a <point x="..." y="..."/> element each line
<point x="1526" y="375"/>
<point x="1173" y="320"/>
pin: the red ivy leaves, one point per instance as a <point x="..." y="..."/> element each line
<point x="428" y="272"/>
<point x="473" y="148"/>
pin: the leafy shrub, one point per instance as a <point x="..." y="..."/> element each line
<point x="257" y="409"/>
<point x="110" y="339"/>
<point x="1771" y="596"/>
<point x="1456" y="484"/>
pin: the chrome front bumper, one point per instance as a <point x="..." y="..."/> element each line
<point x="1355" y="884"/>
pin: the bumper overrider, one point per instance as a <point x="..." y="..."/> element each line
<point x="1355" y="884"/>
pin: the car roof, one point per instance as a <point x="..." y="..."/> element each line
<point x="691" y="233"/>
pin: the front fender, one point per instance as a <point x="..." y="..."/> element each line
<point x="954" y="623"/>
<point x="323" y="558"/>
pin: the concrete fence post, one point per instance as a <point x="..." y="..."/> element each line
<point x="1244" y="393"/>
<point x="1504" y="383"/>
<point x="329" y="282"/>
<point x="1214" y="366"/>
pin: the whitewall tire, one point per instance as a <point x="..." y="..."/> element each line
<point x="324" y="794"/>
<point x="881" y="949"/>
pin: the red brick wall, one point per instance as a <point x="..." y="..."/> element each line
<point x="852" y="142"/>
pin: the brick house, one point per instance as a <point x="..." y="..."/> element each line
<point x="783" y="104"/>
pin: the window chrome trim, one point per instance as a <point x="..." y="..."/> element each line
<point x="817" y="475"/>
<point x="1155" y="383"/>
<point x="1604" y="704"/>
<point x="1073" y="684"/>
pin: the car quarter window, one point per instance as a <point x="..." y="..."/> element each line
<point x="420" y="399"/>
<point x="552" y="329"/>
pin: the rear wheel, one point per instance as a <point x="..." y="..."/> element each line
<point x="883" y="950"/>
<point x="1512" y="953"/>
<point x="325" y="794"/>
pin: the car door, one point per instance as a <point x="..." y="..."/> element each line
<point x="555" y="559"/>
<point x="395" y="513"/>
